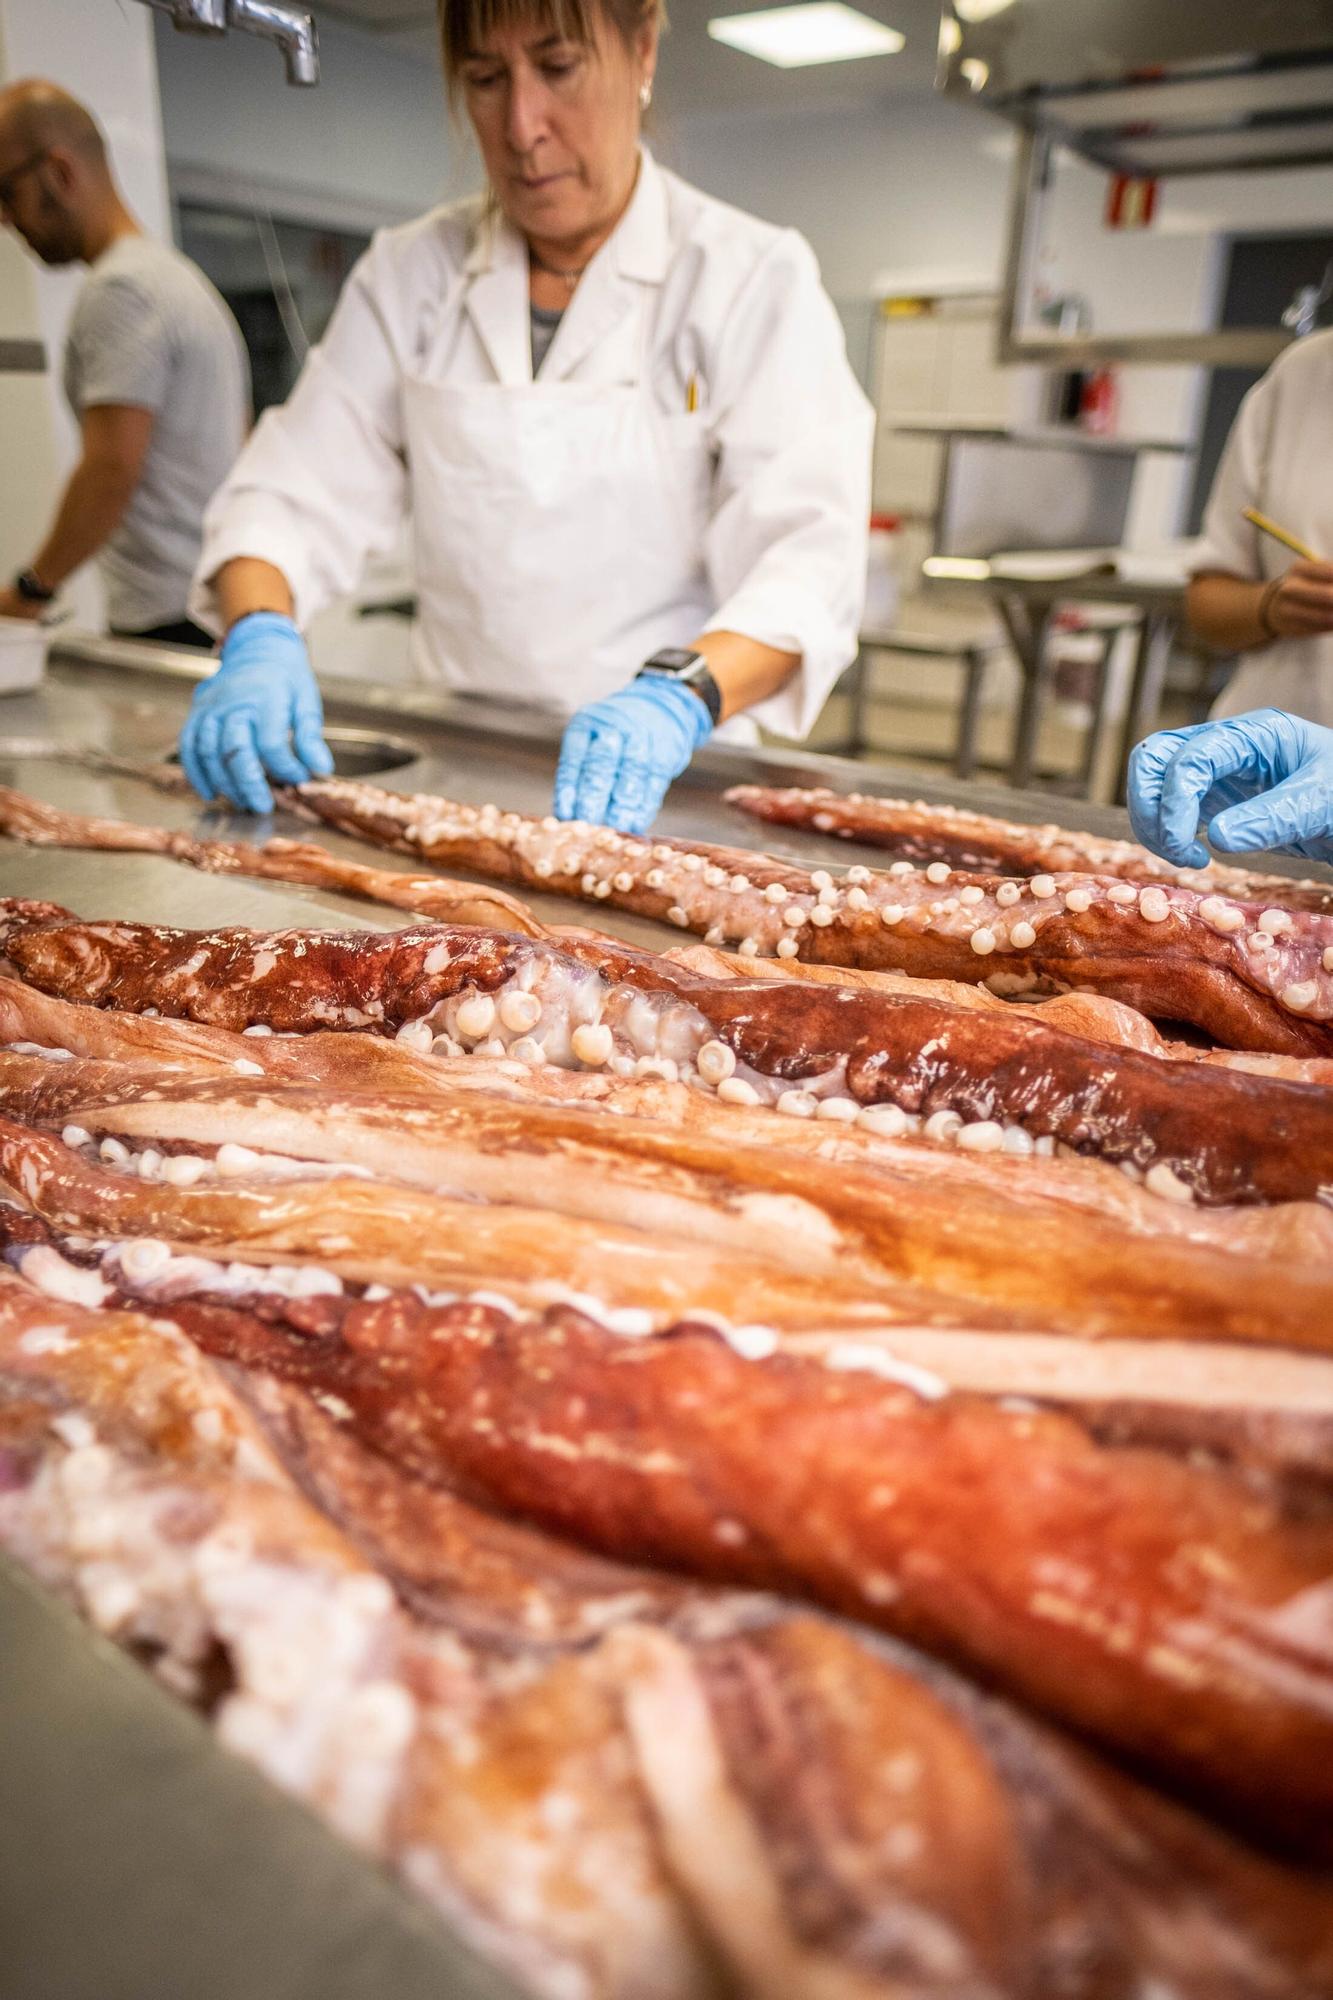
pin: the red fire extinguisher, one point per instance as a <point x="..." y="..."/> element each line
<point x="1099" y="404"/>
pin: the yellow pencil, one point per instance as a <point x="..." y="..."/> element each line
<point x="692" y="396"/>
<point x="1267" y="527"/>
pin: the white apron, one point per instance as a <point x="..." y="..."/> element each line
<point x="559" y="532"/>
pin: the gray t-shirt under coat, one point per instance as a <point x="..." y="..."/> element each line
<point x="545" y="325"/>
<point x="150" y="331"/>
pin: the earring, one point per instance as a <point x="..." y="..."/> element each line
<point x="645" y="93"/>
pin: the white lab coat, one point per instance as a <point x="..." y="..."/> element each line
<point x="1279" y="460"/>
<point x="567" y="528"/>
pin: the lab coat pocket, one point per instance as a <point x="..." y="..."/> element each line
<point x="687" y="461"/>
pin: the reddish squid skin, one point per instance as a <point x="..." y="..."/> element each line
<point x="277" y="860"/>
<point x="1041" y="1868"/>
<point x="1157" y="1607"/>
<point x="917" y="832"/>
<point x="1230" y="1137"/>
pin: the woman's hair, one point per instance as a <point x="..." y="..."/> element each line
<point x="464" y="24"/>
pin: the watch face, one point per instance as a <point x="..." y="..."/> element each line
<point x="674" y="659"/>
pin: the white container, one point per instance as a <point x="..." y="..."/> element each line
<point x="883" y="588"/>
<point x="23" y="644"/>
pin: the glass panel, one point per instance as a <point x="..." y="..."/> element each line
<point x="281" y="279"/>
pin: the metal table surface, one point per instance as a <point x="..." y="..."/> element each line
<point x="145" y="1863"/>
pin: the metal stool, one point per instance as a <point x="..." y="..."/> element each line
<point x="971" y="656"/>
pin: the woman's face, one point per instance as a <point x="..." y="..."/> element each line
<point x="557" y="122"/>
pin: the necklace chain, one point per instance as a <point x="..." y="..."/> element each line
<point x="570" y="278"/>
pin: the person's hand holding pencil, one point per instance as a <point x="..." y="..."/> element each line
<point x="1299" y="603"/>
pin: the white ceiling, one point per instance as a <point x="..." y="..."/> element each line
<point x="698" y="74"/>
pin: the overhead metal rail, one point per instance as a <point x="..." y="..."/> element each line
<point x="1146" y="90"/>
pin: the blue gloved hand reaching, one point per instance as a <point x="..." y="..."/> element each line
<point x="259" y="716"/>
<point x="619" y="755"/>
<point x="1263" y="780"/>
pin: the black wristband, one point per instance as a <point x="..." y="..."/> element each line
<point x="683" y="664"/>
<point x="31" y="588"/>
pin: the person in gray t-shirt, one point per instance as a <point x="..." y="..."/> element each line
<point x="155" y="372"/>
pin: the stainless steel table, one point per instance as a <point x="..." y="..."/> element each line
<point x="138" y="1861"/>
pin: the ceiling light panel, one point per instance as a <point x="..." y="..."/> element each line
<point x="976" y="11"/>
<point x="794" y="37"/>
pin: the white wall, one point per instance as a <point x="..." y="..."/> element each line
<point x="906" y="193"/>
<point x="103" y="53"/>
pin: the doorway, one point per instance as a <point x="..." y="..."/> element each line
<point x="1263" y="276"/>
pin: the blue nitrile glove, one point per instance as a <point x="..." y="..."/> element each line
<point x="260" y="712"/>
<point x="1263" y="780"/>
<point x="619" y="755"/>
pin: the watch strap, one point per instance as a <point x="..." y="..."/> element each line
<point x="31" y="588"/>
<point x="692" y="670"/>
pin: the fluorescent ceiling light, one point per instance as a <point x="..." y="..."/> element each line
<point x="822" y="32"/>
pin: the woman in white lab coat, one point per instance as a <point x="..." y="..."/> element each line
<point x="620" y="415"/>
<point x="1247" y="595"/>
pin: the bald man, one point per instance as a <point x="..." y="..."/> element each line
<point x="154" y="368"/>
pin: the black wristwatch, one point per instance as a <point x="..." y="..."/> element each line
<point x="679" y="663"/>
<point x="31" y="588"/>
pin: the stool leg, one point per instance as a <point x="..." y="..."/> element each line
<point x="974" y="667"/>
<point x="1150" y="664"/>
<point x="1027" y="628"/>
<point x="1093" y="740"/>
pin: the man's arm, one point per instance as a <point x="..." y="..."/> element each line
<point x="116" y="437"/>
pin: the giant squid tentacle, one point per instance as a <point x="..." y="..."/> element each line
<point x="1269" y="1414"/>
<point x="1248" y="976"/>
<point x="326" y="1684"/>
<point x="389" y="1233"/>
<point x="1261" y="1409"/>
<point x="75" y="1092"/>
<point x="334" y="1060"/>
<point x="1093" y="1885"/>
<point x="1159" y="1607"/>
<point x="1092" y="1016"/>
<point x="277" y="860"/>
<point x="1199" y="1133"/>
<point x="503" y="1587"/>
<point x="919" y="833"/>
<point x="133" y="1055"/>
<point x="139" y="1484"/>
<point x="887" y="1245"/>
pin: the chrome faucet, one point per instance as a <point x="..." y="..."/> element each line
<point x="290" y="27"/>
